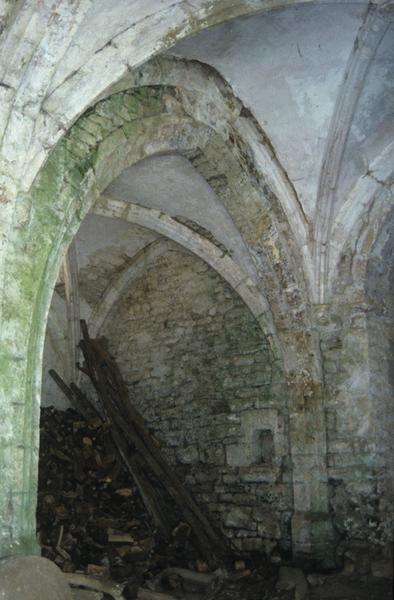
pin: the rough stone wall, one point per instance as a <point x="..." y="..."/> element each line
<point x="56" y="354"/>
<point x="351" y="456"/>
<point x="201" y="372"/>
<point x="357" y="344"/>
<point x="55" y="68"/>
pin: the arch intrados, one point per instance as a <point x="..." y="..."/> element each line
<point x="361" y="241"/>
<point x="227" y="116"/>
<point x="223" y="264"/>
<point x="367" y="208"/>
<point x="185" y="136"/>
<point x="186" y="20"/>
<point x="115" y="153"/>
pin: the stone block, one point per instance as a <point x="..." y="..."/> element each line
<point x="259" y="475"/>
<point x="237" y="455"/>
<point x="188" y="455"/>
<point x="357" y="559"/>
<point x="215" y="455"/>
<point x="251" y="544"/>
<point x="382" y="568"/>
<point x="270" y="527"/>
<point x="238" y="518"/>
<point x="292" y="578"/>
<point x="32" y="578"/>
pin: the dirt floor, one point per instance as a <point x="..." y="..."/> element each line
<point x="335" y="587"/>
<point x="342" y="587"/>
<point x="346" y="587"/>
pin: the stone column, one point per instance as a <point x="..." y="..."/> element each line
<point x="312" y="531"/>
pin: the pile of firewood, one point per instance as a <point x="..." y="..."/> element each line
<point x="91" y="518"/>
<point x="111" y="509"/>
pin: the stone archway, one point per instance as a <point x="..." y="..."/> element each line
<point x="201" y="247"/>
<point x="116" y="133"/>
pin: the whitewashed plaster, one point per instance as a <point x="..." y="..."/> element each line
<point x="171" y="184"/>
<point x="311" y="80"/>
<point x="287" y="68"/>
<point x="373" y="124"/>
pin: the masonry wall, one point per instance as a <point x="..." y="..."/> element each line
<point x="200" y="370"/>
<point x="356" y="343"/>
<point x="56" y="353"/>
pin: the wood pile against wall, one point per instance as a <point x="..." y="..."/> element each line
<point x="110" y="506"/>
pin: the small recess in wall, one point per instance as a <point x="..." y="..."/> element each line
<point x="264" y="446"/>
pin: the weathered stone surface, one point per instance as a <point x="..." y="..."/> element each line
<point x="188" y="374"/>
<point x="382" y="568"/>
<point x="79" y="594"/>
<point x="298" y="154"/>
<point x="32" y="578"/>
<point x="292" y="578"/>
<point x="315" y="579"/>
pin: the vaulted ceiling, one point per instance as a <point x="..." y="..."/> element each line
<point x="316" y="77"/>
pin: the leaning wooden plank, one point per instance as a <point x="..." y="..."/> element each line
<point x="173" y="488"/>
<point x="67" y="392"/>
<point x="171" y="484"/>
<point x="148" y="494"/>
<point x="104" y="370"/>
<point x="87" y="403"/>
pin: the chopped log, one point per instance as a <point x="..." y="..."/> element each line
<point x="74" y="516"/>
<point x="120" y="537"/>
<point x="130" y="461"/>
<point x="112" y="589"/>
<point x="201" y="579"/>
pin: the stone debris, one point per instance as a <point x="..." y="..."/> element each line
<point x="338" y="586"/>
<point x="315" y="579"/>
<point x="293" y="578"/>
<point x="79" y="594"/>
<point x="32" y="578"/>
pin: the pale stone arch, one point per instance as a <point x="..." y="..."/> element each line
<point x="278" y="227"/>
<point x="362" y="216"/>
<point x="74" y="75"/>
<point x="372" y="30"/>
<point x="201" y="247"/>
<point x="114" y="135"/>
<point x="209" y="99"/>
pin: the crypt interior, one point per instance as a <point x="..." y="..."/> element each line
<point x="208" y="185"/>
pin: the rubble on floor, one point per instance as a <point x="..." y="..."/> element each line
<point x="338" y="586"/>
<point x="32" y="578"/>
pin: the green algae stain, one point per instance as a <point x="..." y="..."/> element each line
<point x="51" y="213"/>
